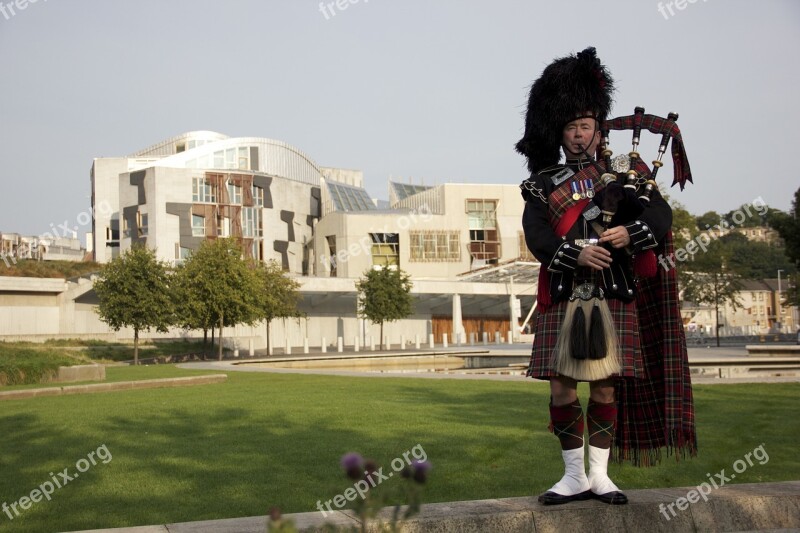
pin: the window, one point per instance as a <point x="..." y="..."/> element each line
<point x="126" y="230"/>
<point x="182" y="253"/>
<point x="251" y="222"/>
<point x="234" y="194"/>
<point x="258" y="196"/>
<point x="441" y="246"/>
<point x="332" y="253"/>
<point x="484" y="240"/>
<point x="385" y="249"/>
<point x="112" y="231"/>
<point x="481" y="214"/>
<point x="244" y="157"/>
<point x="258" y="250"/>
<point x="524" y="253"/>
<point x="141" y="223"/>
<point x="203" y="191"/>
<point x="223" y="226"/>
<point x="198" y="226"/>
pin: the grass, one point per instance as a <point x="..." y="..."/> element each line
<point x="34" y="363"/>
<point x="115" y="374"/>
<point x="258" y="440"/>
<point x="21" y="364"/>
<point x="48" y="269"/>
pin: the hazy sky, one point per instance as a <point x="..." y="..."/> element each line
<point x="428" y="90"/>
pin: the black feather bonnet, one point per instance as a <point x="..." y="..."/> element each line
<point x="571" y="87"/>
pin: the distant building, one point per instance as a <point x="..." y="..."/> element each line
<point x="758" y="312"/>
<point x="15" y="247"/>
<point x="462" y="244"/>
<point x="759" y="234"/>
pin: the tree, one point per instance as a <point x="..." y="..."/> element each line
<point x="278" y="295"/>
<point x="756" y="260"/>
<point x="710" y="219"/>
<point x="384" y="295"/>
<point x="221" y="287"/>
<point x="706" y="279"/>
<point x="134" y="292"/>
<point x="788" y="227"/>
<point x="190" y="310"/>
<point x="684" y="224"/>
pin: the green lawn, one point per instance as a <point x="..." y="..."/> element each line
<point x="29" y="363"/>
<point x="122" y="373"/>
<point x="258" y="440"/>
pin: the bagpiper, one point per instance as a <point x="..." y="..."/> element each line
<point x="607" y="314"/>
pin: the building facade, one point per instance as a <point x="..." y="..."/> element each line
<point x="461" y="244"/>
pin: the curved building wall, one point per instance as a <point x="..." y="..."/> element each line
<point x="273" y="157"/>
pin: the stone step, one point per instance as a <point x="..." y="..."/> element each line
<point x="743" y="507"/>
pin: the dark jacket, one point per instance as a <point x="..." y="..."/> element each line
<point x="647" y="224"/>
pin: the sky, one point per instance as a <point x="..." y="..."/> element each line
<point x="420" y="91"/>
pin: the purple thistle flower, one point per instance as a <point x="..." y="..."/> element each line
<point x="353" y="465"/>
<point x="421" y="469"/>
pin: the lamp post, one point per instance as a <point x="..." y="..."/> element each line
<point x="778" y="313"/>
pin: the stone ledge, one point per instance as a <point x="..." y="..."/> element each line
<point x="745" y="507"/>
<point x="72" y="374"/>
<point x="108" y="387"/>
<point x="773" y="349"/>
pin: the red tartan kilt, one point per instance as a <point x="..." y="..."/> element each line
<point x="547" y="329"/>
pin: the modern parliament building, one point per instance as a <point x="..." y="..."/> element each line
<point x="461" y="244"/>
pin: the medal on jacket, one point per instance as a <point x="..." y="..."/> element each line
<point x="589" y="188"/>
<point x="576" y="195"/>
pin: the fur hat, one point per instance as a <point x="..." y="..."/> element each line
<point x="571" y="87"/>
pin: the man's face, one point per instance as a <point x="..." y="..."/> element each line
<point x="579" y="135"/>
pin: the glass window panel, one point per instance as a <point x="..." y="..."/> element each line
<point x="198" y="226"/>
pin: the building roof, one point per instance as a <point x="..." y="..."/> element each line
<point x="401" y="191"/>
<point x="349" y="198"/>
<point x="522" y="272"/>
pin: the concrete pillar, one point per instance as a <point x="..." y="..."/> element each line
<point x="355" y="343"/>
<point x="430" y="341"/>
<point x="485" y="338"/>
<point x="305" y="345"/>
<point x="497" y="338"/>
<point x="444" y="340"/>
<point x="416" y="341"/>
<point x="339" y="344"/>
<point x="513" y="314"/>
<point x="251" y="351"/>
<point x="324" y="346"/>
<point x="402" y="342"/>
<point x="458" y="321"/>
<point x="386" y="343"/>
<point x="510" y="336"/>
<point x="372" y="343"/>
<point x="287" y="350"/>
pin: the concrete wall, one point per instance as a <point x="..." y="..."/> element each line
<point x="105" y="190"/>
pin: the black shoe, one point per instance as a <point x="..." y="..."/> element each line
<point x="611" y="498"/>
<point x="553" y="498"/>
